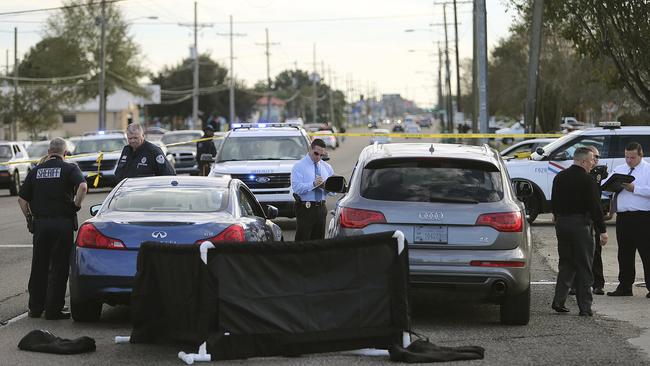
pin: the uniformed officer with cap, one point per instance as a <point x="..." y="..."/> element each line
<point x="141" y="158"/>
<point x="49" y="196"/>
<point x="205" y="147"/>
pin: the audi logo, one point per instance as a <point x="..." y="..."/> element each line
<point x="431" y="216"/>
<point x="262" y="179"/>
<point x="159" y="234"/>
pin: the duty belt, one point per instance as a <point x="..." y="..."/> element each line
<point x="308" y="204"/>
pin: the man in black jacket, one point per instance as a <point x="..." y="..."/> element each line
<point x="576" y="207"/>
<point x="141" y="158"/>
<point x="204" y="147"/>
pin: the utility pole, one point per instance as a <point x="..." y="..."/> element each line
<point x="7" y="62"/>
<point x="331" y="102"/>
<point x="481" y="52"/>
<point x="450" y="108"/>
<point x="102" y="68"/>
<point x="268" y="45"/>
<point x="533" y="66"/>
<point x="268" y="77"/>
<point x="440" y="100"/>
<point x="195" y="54"/>
<point x="14" y="127"/>
<point x="314" y="106"/>
<point x="475" y="128"/>
<point x="231" y="81"/>
<point x="457" y="60"/>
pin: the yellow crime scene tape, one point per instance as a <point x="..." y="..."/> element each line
<point x="100" y="157"/>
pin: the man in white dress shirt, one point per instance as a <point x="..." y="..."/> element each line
<point x="633" y="220"/>
<point x="307" y="182"/>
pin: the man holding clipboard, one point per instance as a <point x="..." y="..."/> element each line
<point x="632" y="204"/>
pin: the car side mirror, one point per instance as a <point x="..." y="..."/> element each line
<point x="539" y="151"/>
<point x="523" y="189"/>
<point x="271" y="212"/>
<point x="94" y="209"/>
<point x="206" y="158"/>
<point x="563" y="155"/>
<point x="336" y="183"/>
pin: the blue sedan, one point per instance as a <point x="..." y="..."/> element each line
<point x="170" y="209"/>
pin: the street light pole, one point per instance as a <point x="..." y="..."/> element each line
<point x="102" y="69"/>
<point x="195" y="89"/>
<point x="450" y="104"/>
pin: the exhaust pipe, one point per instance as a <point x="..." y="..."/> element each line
<point x="499" y="288"/>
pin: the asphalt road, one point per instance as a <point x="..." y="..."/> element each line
<point x="548" y="339"/>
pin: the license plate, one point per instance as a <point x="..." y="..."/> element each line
<point x="431" y="234"/>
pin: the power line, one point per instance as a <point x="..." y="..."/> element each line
<point x="57" y="8"/>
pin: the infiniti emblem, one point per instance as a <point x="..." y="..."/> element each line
<point x="262" y="179"/>
<point x="431" y="216"/>
<point x="159" y="234"/>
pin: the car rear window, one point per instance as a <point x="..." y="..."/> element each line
<point x="170" y="199"/>
<point x="431" y="180"/>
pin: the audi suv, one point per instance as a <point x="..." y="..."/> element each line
<point x="466" y="229"/>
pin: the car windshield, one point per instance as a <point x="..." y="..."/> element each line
<point x="151" y="199"/>
<point x="263" y="148"/>
<point x="5" y="152"/>
<point x="93" y="146"/>
<point x="431" y="180"/>
<point x="559" y="142"/>
<point x="38" y="150"/>
<point x="181" y="137"/>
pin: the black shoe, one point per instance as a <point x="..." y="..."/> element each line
<point x="598" y="291"/>
<point x="572" y="292"/>
<point x="58" y="316"/>
<point x="619" y="292"/>
<point x="647" y="295"/>
<point x="586" y="313"/>
<point x="560" y="309"/>
<point x="34" y="313"/>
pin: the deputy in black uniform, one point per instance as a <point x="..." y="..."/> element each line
<point x="576" y="207"/>
<point x="141" y="158"/>
<point x="205" y="147"/>
<point x="50" y="201"/>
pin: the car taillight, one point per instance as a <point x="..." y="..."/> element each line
<point x="502" y="221"/>
<point x="355" y="218"/>
<point x="517" y="264"/>
<point x="90" y="237"/>
<point x="232" y="233"/>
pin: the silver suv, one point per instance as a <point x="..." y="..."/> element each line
<point x="466" y="230"/>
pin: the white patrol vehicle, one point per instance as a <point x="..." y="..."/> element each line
<point x="262" y="156"/>
<point x="545" y="163"/>
<point x="89" y="147"/>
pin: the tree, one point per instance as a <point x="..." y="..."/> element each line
<point x="607" y="29"/>
<point x="570" y="83"/>
<point x="177" y="83"/>
<point x="38" y="109"/>
<point x="76" y="28"/>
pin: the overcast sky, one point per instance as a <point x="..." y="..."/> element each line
<point x="360" y="40"/>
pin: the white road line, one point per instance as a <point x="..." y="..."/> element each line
<point x="15" y="245"/>
<point x="16" y="318"/>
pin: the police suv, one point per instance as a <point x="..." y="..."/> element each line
<point x="545" y="163"/>
<point x="261" y="156"/>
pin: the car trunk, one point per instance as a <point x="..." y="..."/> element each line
<point x="134" y="228"/>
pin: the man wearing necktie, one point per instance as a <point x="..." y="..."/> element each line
<point x="307" y="180"/>
<point x="633" y="220"/>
